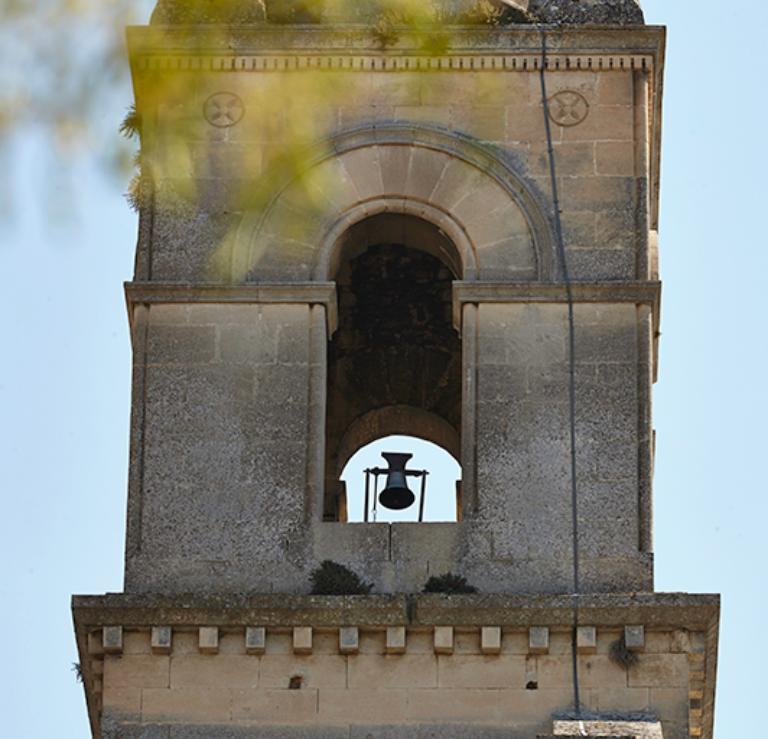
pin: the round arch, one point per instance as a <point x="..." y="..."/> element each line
<point x="397" y="420"/>
<point x="469" y="190"/>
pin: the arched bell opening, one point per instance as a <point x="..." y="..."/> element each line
<point x="394" y="362"/>
<point x="436" y="496"/>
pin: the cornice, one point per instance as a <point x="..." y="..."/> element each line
<point x="668" y="610"/>
<point x="637" y="293"/>
<point x="158" y="293"/>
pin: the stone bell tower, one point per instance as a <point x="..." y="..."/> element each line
<point x="364" y="219"/>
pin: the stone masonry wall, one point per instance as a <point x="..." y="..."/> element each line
<point x="230" y="403"/>
<point x="221" y="404"/>
<point x="206" y="178"/>
<point x="385" y="682"/>
<point x="523" y="429"/>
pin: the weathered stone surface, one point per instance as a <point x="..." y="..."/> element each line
<point x="618" y="12"/>
<point x="299" y="11"/>
<point x="184" y="12"/>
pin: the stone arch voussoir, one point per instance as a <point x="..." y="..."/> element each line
<point x="462" y="187"/>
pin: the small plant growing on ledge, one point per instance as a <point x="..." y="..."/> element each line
<point x="331" y="578"/>
<point x="619" y="654"/>
<point x="78" y="670"/>
<point x="449" y="583"/>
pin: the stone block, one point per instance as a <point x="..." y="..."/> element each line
<point x="602" y="264"/>
<point x="594" y="671"/>
<point x="615" y="88"/>
<point x="280" y="706"/>
<point x="429" y="730"/>
<point x="115" y="727"/>
<point x="604" y="123"/>
<point x="538" y="639"/>
<point x="161" y="640"/>
<point x="136" y="671"/>
<point x="252" y="344"/>
<point x="619" y="698"/>
<point x="485" y="706"/>
<point x="315" y="670"/>
<point x="349" y="640"/>
<point x="208" y="639"/>
<point x="586" y="640"/>
<point x="485" y="122"/>
<point x="572" y="159"/>
<point x="424" y="173"/>
<point x="122" y="702"/>
<point x="363" y="705"/>
<point x="181" y="345"/>
<point x="443" y="639"/>
<point x="265" y="731"/>
<point x="112" y="639"/>
<point x="395" y="640"/>
<point x="670" y="704"/>
<point x="255" y="640"/>
<point x="615" y="158"/>
<point x="634" y="638"/>
<point x="660" y="671"/>
<point x="195" y="705"/>
<point x="396" y="671"/>
<point x="525" y="124"/>
<point x="490" y="639"/>
<point x="481" y="671"/>
<point x="223" y="670"/>
<point x="597" y="193"/>
<point x="302" y="640"/>
<point x="96" y="642"/>
<point x="435" y="542"/>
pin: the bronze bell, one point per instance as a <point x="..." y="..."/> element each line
<point x="396" y="496"/>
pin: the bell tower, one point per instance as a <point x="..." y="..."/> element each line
<point x="364" y="219"/>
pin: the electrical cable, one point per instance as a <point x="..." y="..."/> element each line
<point x="571" y="370"/>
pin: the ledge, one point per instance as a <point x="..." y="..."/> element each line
<point x="672" y="610"/>
<point x="313" y="293"/>
<point x="639" y="293"/>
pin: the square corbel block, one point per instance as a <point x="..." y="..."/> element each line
<point x="349" y="640"/>
<point x="255" y="640"/>
<point x="634" y="638"/>
<point x="586" y="640"/>
<point x="443" y="639"/>
<point x="112" y="639"/>
<point x="538" y="639"/>
<point x="208" y="640"/>
<point x="395" y="643"/>
<point x="490" y="640"/>
<point x="302" y="640"/>
<point x="162" y="638"/>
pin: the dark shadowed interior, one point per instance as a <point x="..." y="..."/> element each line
<point x="394" y="363"/>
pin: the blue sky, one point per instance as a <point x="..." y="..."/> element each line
<point x="65" y="375"/>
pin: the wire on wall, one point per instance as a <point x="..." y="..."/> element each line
<point x="562" y="258"/>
